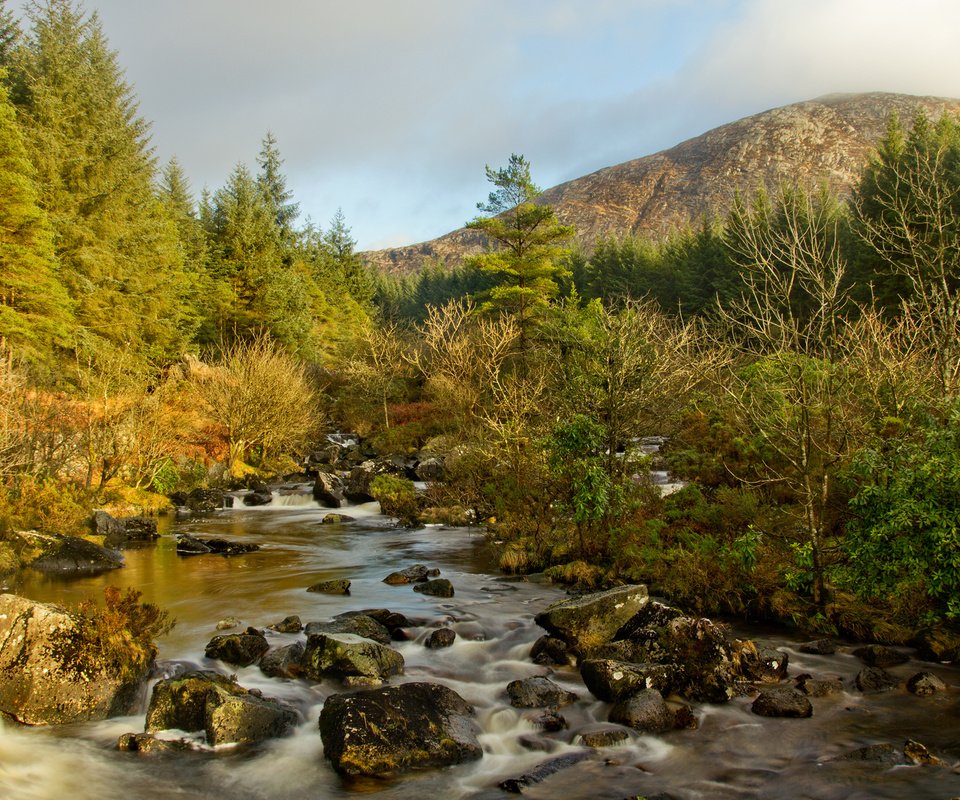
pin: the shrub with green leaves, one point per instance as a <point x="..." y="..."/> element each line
<point x="397" y="498"/>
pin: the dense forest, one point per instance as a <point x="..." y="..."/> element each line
<point x="799" y="356"/>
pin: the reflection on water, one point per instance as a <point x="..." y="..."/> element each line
<point x="733" y="754"/>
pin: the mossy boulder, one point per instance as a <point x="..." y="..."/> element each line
<point x="588" y="621"/>
<point x="645" y="711"/>
<point x="613" y="681"/>
<point x="50" y="672"/>
<point x="219" y="706"/>
<point x="398" y="728"/>
<point x="538" y="692"/>
<point x="342" y="655"/>
<point x="438" y="587"/>
<point x="357" y="624"/>
<point x="238" y="649"/>
<point x="66" y="555"/>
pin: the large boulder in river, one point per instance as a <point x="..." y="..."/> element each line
<point x="238" y="649"/>
<point x="398" y="728"/>
<point x="53" y="669"/>
<point x="219" y="706"/>
<point x="357" y="624"/>
<point x="344" y="655"/>
<point x="207" y="500"/>
<point x="67" y="555"/>
<point x="538" y="692"/>
<point x="328" y="490"/>
<point x="588" y="621"/>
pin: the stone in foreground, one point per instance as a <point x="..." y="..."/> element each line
<point x="49" y="672"/>
<point x="782" y="701"/>
<point x="589" y="621"/>
<point x="398" y="728"/>
<point x="538" y="692"/>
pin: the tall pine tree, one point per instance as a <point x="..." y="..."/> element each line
<point x="115" y="242"/>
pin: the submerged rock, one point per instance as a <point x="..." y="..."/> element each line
<point x="644" y="711"/>
<point x="53" y="670"/>
<point x="442" y="637"/>
<point x="398" y="728"/>
<point x="393" y="621"/>
<point x="813" y="687"/>
<point x="148" y="743"/>
<point x="336" y="586"/>
<point x="878" y="655"/>
<point x="538" y="692"/>
<point x="258" y="496"/>
<point x="336" y="519"/>
<point x="600" y="735"/>
<point x="541" y="772"/>
<point x="925" y="683"/>
<point x="782" y="701"/>
<point x="340" y="655"/>
<point x="438" y="587"/>
<point x="820" y="647"/>
<point x="875" y="679"/>
<point x="290" y="624"/>
<point x="188" y="545"/>
<point x="765" y="665"/>
<point x="589" y="621"/>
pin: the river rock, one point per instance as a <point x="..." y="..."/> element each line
<point x="398" y="728"/>
<point x="438" y="587"/>
<point x="229" y="623"/>
<point x="357" y="488"/>
<point x="336" y="586"/>
<point x="765" y="665"/>
<point x="701" y="660"/>
<point x="875" y="679"/>
<point x="415" y="574"/>
<point x="188" y="545"/>
<point x="328" y="490"/>
<point x="586" y="622"/>
<point x="441" y="637"/>
<point x="813" y="687"/>
<point x="50" y="671"/>
<point x="885" y="754"/>
<point x="644" y="711"/>
<point x="258" y="496"/>
<point x="938" y="644"/>
<point x="335" y="519"/>
<point x="357" y="624"/>
<point x="393" y="621"/>
<point x="782" y="701"/>
<point x="290" y="624"/>
<point x="602" y="735"/>
<point x="819" y="647"/>
<point x="541" y="772"/>
<point x="918" y="753"/>
<point x="612" y="681"/>
<point x="550" y="651"/>
<point x="538" y="692"/>
<point x="925" y="683"/>
<point x="105" y="524"/>
<point x="148" y="743"/>
<point x="238" y="649"/>
<point x="548" y="719"/>
<point x="340" y="655"/>
<point x="224" y="710"/>
<point x="136" y="531"/>
<point x="68" y="555"/>
<point x="878" y="655"/>
<point x="203" y="500"/>
<point x="283" y="662"/>
<point x="225" y="547"/>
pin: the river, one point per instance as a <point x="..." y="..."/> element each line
<point x="733" y="754"/>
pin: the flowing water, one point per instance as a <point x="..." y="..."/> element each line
<point x="734" y="754"/>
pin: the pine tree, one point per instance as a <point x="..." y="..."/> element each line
<point x="527" y="242"/>
<point x="274" y="185"/>
<point x="339" y="245"/>
<point x="35" y="316"/>
<point x="116" y="245"/>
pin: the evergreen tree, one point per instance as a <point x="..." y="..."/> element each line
<point x="35" y="316"/>
<point x="10" y="34"/>
<point x="274" y="185"/>
<point x="116" y="245"/>
<point x="339" y="245"/>
<point x="526" y="244"/>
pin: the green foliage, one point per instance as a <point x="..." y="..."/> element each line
<point x="397" y="498"/>
<point x="123" y="631"/>
<point x="526" y="240"/>
<point x="904" y="530"/>
<point x="30" y="503"/>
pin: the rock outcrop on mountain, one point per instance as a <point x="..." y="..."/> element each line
<point x="826" y="140"/>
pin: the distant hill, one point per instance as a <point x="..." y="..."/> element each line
<point x="824" y="140"/>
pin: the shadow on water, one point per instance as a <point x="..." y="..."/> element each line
<point x="734" y="754"/>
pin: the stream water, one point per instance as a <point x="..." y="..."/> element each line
<point x="734" y="754"/>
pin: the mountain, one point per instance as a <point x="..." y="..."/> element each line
<point x="828" y="139"/>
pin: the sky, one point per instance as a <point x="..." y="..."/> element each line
<point x="390" y="109"/>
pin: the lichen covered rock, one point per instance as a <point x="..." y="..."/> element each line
<point x="341" y="655"/>
<point x="398" y="728"/>
<point x="588" y="621"/>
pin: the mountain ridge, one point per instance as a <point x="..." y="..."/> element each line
<point x="828" y="139"/>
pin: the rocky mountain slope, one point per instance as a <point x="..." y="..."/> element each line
<point x="824" y="140"/>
